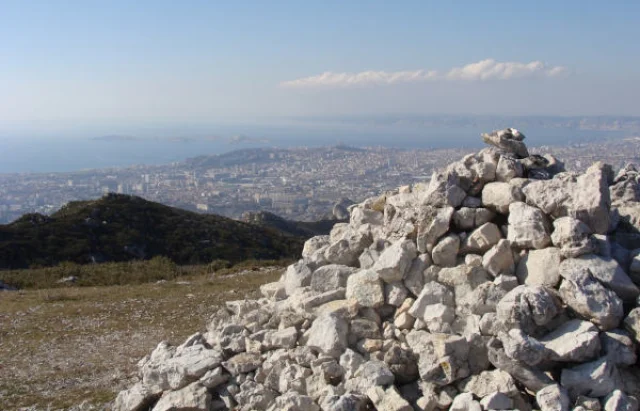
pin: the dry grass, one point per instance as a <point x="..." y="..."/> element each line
<point x="66" y="346"/>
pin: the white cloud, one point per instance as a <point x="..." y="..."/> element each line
<point x="488" y="69"/>
<point x="363" y="78"/>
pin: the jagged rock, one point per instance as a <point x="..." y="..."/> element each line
<point x="465" y="402"/>
<point x="528" y="226"/>
<point x="540" y="267"/>
<point x="136" y="398"/>
<point x="242" y="363"/>
<point x="508" y="168"/>
<point x="314" y="244"/>
<point x="434" y="223"/>
<point x="553" y="398"/>
<point x="499" y="259"/>
<point x="496" y="401"/>
<point x="482" y="238"/>
<point x="328" y="334"/>
<point x="499" y="196"/>
<point x="606" y="270"/>
<point x="330" y="277"/>
<point x="395" y="261"/>
<point x="573" y="341"/>
<point x="522" y="347"/>
<point x="388" y="400"/>
<point x="213" y="378"/>
<point x="414" y="279"/>
<point x="619" y="401"/>
<point x="618" y="347"/>
<point x="584" y="197"/>
<point x="587" y="403"/>
<point x="293" y="401"/>
<point x="445" y="252"/>
<point x="194" y="397"/>
<point x="443" y="190"/>
<point x="572" y="237"/>
<point x="275" y="291"/>
<point x="432" y="293"/>
<point x="531" y="377"/>
<point x="297" y="275"/>
<point x="508" y="140"/>
<point x="167" y="368"/>
<point x="632" y="324"/>
<point x="590" y="299"/>
<point x="594" y="379"/>
<point x="366" y="288"/>
<point x="527" y="307"/>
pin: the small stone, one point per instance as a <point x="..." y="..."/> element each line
<point x="499" y="196"/>
<point x="594" y="379"/>
<point x="540" y="267"/>
<point x="619" y="401"/>
<point x="481" y="239"/>
<point x="366" y="288"/>
<point x="528" y="226"/>
<point x="553" y="398"/>
<point x="573" y="341"/>
<point x="395" y="261"/>
<point x="499" y="259"/>
<point x="445" y="252"/>
<point x="496" y="401"/>
<point x="328" y="334"/>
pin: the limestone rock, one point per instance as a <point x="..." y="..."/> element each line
<point x="499" y="259"/>
<point x="330" y="277"/>
<point x="499" y="196"/>
<point x="193" y="397"/>
<point x="591" y="300"/>
<point x="619" y="401"/>
<point x="527" y="307"/>
<point x="328" y="334"/>
<point x="482" y="238"/>
<point x="528" y="226"/>
<point x="594" y="379"/>
<point x="606" y="270"/>
<point x="445" y="252"/>
<point x="553" y="398"/>
<point x="388" y="400"/>
<point x="572" y="236"/>
<point x="573" y="341"/>
<point x="508" y="140"/>
<point x="395" y="261"/>
<point x="366" y="288"/>
<point x="540" y="267"/>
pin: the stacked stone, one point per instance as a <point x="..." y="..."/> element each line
<point x="503" y="283"/>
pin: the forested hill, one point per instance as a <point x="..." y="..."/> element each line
<point x="121" y="228"/>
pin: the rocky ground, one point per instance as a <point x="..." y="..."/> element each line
<point x="76" y="347"/>
<point x="505" y="283"/>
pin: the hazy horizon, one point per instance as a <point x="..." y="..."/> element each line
<point x="74" y="67"/>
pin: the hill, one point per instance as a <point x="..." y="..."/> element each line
<point x="304" y="229"/>
<point x="123" y="228"/>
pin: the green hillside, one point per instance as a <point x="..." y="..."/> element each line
<point x="123" y="228"/>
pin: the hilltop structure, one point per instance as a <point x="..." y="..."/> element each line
<point x="504" y="283"/>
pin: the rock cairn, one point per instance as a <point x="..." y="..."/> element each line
<point x="503" y="283"/>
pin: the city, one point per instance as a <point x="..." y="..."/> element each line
<point x="298" y="183"/>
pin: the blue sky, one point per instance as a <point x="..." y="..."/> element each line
<point x="78" y="63"/>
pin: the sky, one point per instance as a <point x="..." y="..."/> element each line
<point x="73" y="64"/>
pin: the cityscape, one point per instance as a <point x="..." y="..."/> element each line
<point x="296" y="183"/>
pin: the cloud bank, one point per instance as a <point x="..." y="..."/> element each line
<point x="488" y="69"/>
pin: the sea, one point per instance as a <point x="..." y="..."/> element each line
<point x="60" y="153"/>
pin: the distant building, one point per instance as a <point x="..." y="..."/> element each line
<point x="202" y="207"/>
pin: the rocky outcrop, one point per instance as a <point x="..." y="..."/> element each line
<point x="505" y="283"/>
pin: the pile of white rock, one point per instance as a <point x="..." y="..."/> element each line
<point x="503" y="283"/>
